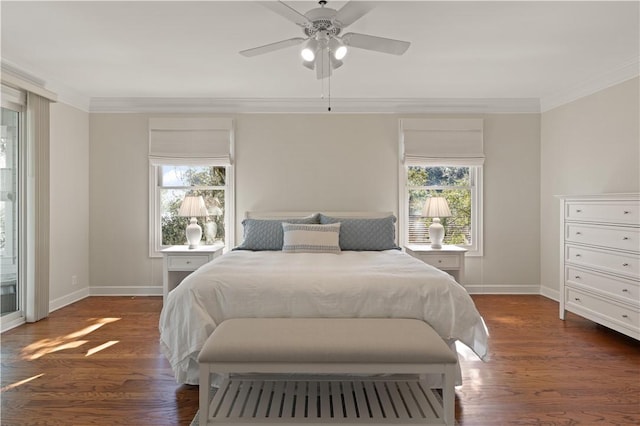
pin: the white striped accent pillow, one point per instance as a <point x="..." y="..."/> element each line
<point x="304" y="238"/>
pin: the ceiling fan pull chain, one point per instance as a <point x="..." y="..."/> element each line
<point x="329" y="59"/>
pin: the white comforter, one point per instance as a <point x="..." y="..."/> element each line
<point x="243" y="284"/>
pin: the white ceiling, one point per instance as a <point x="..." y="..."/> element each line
<point x="543" y="50"/>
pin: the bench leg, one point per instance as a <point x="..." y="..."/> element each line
<point x="449" y="395"/>
<point x="205" y="390"/>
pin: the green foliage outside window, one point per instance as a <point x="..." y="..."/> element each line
<point x="208" y="182"/>
<point x="452" y="183"/>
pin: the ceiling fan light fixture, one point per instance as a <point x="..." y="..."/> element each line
<point x="338" y="49"/>
<point x="340" y="52"/>
<point x="308" y="52"/>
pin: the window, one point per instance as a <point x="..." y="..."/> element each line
<point x="442" y="157"/>
<point x="190" y="156"/>
<point x="10" y="144"/>
<point x="461" y="187"/>
<point x="171" y="183"/>
<point x="174" y="183"/>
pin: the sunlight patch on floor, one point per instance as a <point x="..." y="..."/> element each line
<point x="45" y="346"/>
<point x="101" y="347"/>
<point x="21" y="382"/>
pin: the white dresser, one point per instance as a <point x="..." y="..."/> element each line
<point x="600" y="264"/>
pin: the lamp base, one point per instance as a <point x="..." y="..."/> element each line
<point x="436" y="233"/>
<point x="193" y="233"/>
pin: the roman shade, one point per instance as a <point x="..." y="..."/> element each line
<point x="186" y="141"/>
<point x="442" y="141"/>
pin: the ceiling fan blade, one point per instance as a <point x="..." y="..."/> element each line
<point x="272" y="47"/>
<point x="352" y="11"/>
<point x="379" y="44"/>
<point x="287" y="12"/>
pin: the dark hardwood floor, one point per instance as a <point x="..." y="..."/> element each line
<point x="98" y="362"/>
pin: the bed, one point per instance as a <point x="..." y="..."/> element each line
<point x="366" y="277"/>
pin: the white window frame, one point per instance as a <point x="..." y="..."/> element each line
<point x="476" y="177"/>
<point x="155" y="222"/>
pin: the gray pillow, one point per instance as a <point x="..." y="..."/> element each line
<point x="365" y="234"/>
<point x="267" y="234"/>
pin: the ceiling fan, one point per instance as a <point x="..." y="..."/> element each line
<point x="325" y="45"/>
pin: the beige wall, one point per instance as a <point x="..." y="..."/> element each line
<point x="315" y="162"/>
<point x="588" y="146"/>
<point x="511" y="207"/>
<point x="312" y="162"/>
<point x="119" y="200"/>
<point x="69" y="197"/>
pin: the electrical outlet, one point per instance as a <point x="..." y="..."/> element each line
<point x="74" y="280"/>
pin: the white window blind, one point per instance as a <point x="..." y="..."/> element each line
<point x="191" y="141"/>
<point x="449" y="141"/>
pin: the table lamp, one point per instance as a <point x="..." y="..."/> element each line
<point x="436" y="207"/>
<point x="193" y="206"/>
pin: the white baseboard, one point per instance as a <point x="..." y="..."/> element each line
<point x="6" y="325"/>
<point x="502" y="289"/>
<point x="126" y="291"/>
<point x="550" y="293"/>
<point x="63" y="301"/>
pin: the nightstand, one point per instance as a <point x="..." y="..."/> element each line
<point x="448" y="258"/>
<point x="180" y="261"/>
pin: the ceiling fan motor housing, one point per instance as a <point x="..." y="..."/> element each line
<point x="322" y="20"/>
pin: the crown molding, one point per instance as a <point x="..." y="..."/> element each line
<point x="57" y="91"/>
<point x="625" y="71"/>
<point x="309" y="105"/>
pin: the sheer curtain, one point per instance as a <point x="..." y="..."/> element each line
<point x="37" y="208"/>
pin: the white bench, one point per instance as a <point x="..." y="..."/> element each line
<point x="326" y="346"/>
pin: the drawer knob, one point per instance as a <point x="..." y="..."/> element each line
<point x="578" y="255"/>
<point x="625" y="290"/>
<point x="627" y="211"/>
<point x="578" y="211"/>
<point x="578" y="233"/>
<point x="577" y="277"/>
<point x="625" y="316"/>
<point x="439" y="261"/>
<point x="625" y="238"/>
<point x="577" y="299"/>
<point x="188" y="262"/>
<point x="625" y="264"/>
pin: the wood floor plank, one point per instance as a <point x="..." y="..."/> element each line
<point x="540" y="370"/>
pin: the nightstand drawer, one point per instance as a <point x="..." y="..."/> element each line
<point x="442" y="261"/>
<point x="186" y="263"/>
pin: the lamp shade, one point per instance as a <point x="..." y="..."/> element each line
<point x="436" y="207"/>
<point x="193" y="206"/>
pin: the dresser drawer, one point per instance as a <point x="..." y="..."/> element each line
<point x="612" y="286"/>
<point x="625" y="212"/>
<point x="441" y="261"/>
<point x="617" y="237"/>
<point x="186" y="263"/>
<point x="589" y="303"/>
<point x="610" y="261"/>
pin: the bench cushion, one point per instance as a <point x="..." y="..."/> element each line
<point x="325" y="340"/>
